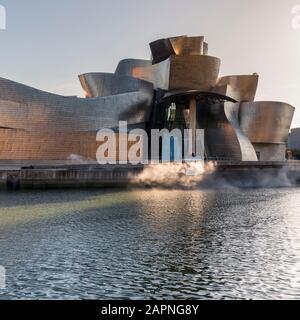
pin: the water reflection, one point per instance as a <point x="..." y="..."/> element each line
<point x="151" y="244"/>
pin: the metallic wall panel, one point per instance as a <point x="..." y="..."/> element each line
<point x="182" y="72"/>
<point x="161" y="50"/>
<point x="248" y="152"/>
<point x="266" y="122"/>
<point x="193" y="72"/>
<point x="188" y="45"/>
<point x="126" y="67"/>
<point x="183" y="45"/>
<point x="39" y="125"/>
<point x="158" y="74"/>
<point x="178" y="63"/>
<point x="177" y="44"/>
<point x="107" y="84"/>
<point x="220" y="138"/>
<point x="241" y="88"/>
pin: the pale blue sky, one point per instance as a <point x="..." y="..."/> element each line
<point x="48" y="43"/>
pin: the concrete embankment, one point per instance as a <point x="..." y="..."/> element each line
<point x="257" y="174"/>
<point x="58" y="174"/>
<point x="68" y="175"/>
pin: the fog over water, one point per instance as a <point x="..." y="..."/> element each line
<point x="151" y="244"/>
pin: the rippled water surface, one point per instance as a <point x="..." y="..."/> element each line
<point x="151" y="244"/>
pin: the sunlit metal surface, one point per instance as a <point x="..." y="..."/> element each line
<point x="193" y="72"/>
<point x="266" y="122"/>
<point x="181" y="63"/>
<point x="188" y="45"/>
<point x="196" y="72"/>
<point x="158" y="74"/>
<point x="183" y="45"/>
<point x="267" y="125"/>
<point x="39" y="125"/>
<point x="108" y="84"/>
<point x="127" y="66"/>
<point x="240" y="87"/>
<point x="248" y="152"/>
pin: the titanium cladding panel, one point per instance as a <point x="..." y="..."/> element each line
<point x="108" y="84"/>
<point x="240" y="87"/>
<point x="266" y="122"/>
<point x="41" y="126"/>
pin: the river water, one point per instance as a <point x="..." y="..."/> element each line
<point x="151" y="244"/>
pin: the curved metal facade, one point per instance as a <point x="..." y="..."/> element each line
<point x="267" y="125"/>
<point x="196" y="72"/>
<point x="266" y="122"/>
<point x="178" y="63"/>
<point x="126" y="66"/>
<point x="221" y="138"/>
<point x="241" y="87"/>
<point x="224" y="138"/>
<point x="183" y="45"/>
<point x="247" y="151"/>
<point x="38" y="125"/>
<point x="108" y="84"/>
